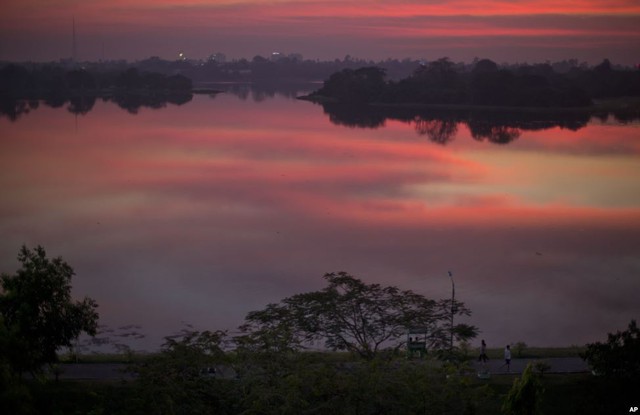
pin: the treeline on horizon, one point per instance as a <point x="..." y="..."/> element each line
<point x="18" y="81"/>
<point x="154" y="82"/>
<point x="442" y="82"/>
<point x="291" y="67"/>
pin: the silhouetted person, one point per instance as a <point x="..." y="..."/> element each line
<point x="483" y="352"/>
<point x="507" y="358"/>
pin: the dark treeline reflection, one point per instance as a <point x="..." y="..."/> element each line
<point x="437" y="125"/>
<point x="441" y="125"/>
<point x="132" y="102"/>
<point x="261" y="91"/>
<point x="78" y="88"/>
<point x="13" y="109"/>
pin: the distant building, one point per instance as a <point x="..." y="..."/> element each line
<point x="276" y="56"/>
<point x="217" y="57"/>
<point x="295" y="57"/>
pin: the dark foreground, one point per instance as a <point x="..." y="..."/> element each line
<point x="414" y="388"/>
<point x="319" y="387"/>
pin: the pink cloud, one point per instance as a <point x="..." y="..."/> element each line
<point x="207" y="211"/>
<point x="316" y="28"/>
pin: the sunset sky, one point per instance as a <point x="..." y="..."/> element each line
<point x="502" y="30"/>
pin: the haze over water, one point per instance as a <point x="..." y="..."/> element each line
<point x="203" y="212"/>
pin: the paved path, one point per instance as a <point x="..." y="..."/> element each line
<point x="116" y="371"/>
<point x="556" y="364"/>
<point x="93" y="371"/>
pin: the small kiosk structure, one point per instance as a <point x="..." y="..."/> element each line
<point x="416" y="342"/>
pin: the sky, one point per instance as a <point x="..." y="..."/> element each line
<point x="502" y="30"/>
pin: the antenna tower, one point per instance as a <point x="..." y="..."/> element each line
<point x="73" y="45"/>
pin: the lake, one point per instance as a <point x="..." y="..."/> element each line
<point x="193" y="215"/>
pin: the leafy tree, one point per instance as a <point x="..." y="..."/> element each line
<point x="525" y="395"/>
<point x="128" y="79"/>
<point x="603" y="67"/>
<point x="80" y="80"/>
<point x="13" y="79"/>
<point x="324" y="383"/>
<point x="440" y="71"/>
<point x="619" y="357"/>
<point x="519" y="349"/>
<point x="37" y="313"/>
<point x="181" y="379"/>
<point x="284" y="382"/>
<point x="440" y="131"/>
<point x="362" y="85"/>
<point x="499" y="134"/>
<point x="485" y="66"/>
<point x="351" y="315"/>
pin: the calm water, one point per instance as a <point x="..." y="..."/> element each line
<point x="197" y="214"/>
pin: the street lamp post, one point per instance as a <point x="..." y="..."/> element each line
<point x="453" y="297"/>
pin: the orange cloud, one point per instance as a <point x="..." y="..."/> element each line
<point x="217" y="13"/>
<point x="388" y="8"/>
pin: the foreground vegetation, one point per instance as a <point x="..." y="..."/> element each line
<point x="307" y="385"/>
<point x="266" y="370"/>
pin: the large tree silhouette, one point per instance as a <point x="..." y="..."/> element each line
<point x="351" y="315"/>
<point x="37" y="312"/>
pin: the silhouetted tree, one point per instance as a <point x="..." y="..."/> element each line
<point x="603" y="67"/>
<point x="353" y="115"/>
<point x="181" y="378"/>
<point x="80" y="80"/>
<point x="362" y="85"/>
<point x="14" y="79"/>
<point x="619" y="357"/>
<point x="81" y="105"/>
<point x="440" y="131"/>
<point x="38" y="313"/>
<point x="484" y="66"/>
<point x="499" y="134"/>
<point x="351" y="315"/>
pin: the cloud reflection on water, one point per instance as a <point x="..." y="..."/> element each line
<point x="206" y="211"/>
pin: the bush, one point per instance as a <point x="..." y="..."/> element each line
<point x="619" y="357"/>
<point x="525" y="395"/>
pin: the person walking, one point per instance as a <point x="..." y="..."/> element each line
<point x="483" y="352"/>
<point x="507" y="358"/>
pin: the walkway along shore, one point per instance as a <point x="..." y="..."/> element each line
<point x="556" y="365"/>
<point x="116" y="371"/>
